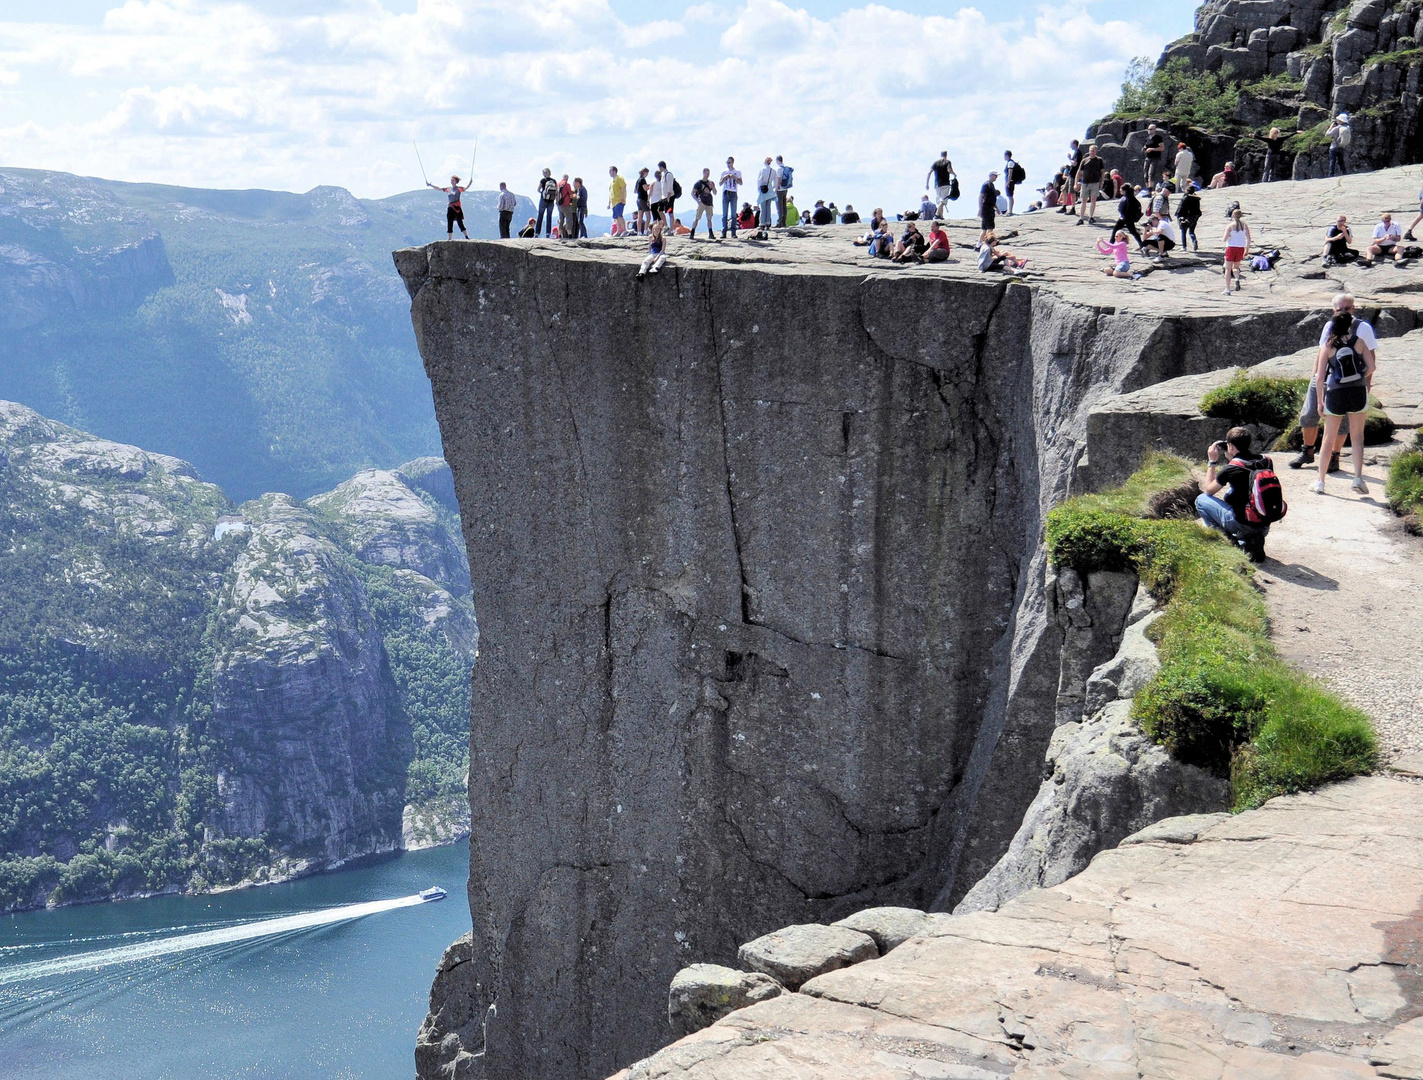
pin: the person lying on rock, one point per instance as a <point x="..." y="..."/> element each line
<point x="1337" y="240"/>
<point x="1252" y="493"/>
<point x="1120" y="265"/>
<point x="1387" y="237"/>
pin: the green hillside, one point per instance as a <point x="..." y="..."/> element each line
<point x="263" y="336"/>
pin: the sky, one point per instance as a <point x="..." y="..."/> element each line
<point x="291" y="94"/>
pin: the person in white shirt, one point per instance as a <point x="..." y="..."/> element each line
<point x="730" y="185"/>
<point x="766" y="182"/>
<point x="1185" y="165"/>
<point x="1387" y="237"/>
<point x="1309" y="412"/>
<point x="1160" y="235"/>
<point x="657" y="193"/>
<point x="669" y="196"/>
<point x="506" y="206"/>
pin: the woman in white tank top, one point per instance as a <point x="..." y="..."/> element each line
<point x="1237" y="244"/>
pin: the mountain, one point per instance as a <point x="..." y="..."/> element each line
<point x="262" y="335"/>
<point x="1291" y="64"/>
<point x="195" y="694"/>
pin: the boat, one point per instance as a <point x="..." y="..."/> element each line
<point x="434" y="892"/>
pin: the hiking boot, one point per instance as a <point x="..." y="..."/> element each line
<point x="1359" y="486"/>
<point x="1306" y="457"/>
<point x="1080" y="221"/>
<point x="1334" y="462"/>
<point x="1254" y="547"/>
<point x="1409" y="235"/>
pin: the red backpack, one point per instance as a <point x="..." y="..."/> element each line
<point x="1266" y="502"/>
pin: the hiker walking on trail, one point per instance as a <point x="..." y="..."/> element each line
<point x="766" y="182"/>
<point x="1309" y="412"/>
<point x="1345" y="369"/>
<point x="730" y="186"/>
<point x="1340" y="134"/>
<point x="940" y="181"/>
<point x="1253" y="497"/>
<point x="617" y="199"/>
<point x="704" y="199"/>
<point x="548" y="200"/>
<point x="1188" y="215"/>
<point x="506" y="206"/>
<point x="987" y="208"/>
<point x="1237" y="242"/>
<point x="454" y="212"/>
<point x="1128" y="209"/>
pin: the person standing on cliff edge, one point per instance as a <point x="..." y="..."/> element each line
<point x="940" y="182"/>
<point x="454" y="212"/>
<point x="987" y="208"/>
<point x="506" y="205"/>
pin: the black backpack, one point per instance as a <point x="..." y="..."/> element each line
<point x="676" y="188"/>
<point x="953" y="188"/>
<point x="1346" y="366"/>
<point x="1018" y="173"/>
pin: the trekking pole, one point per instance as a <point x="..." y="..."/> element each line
<point x="471" y="160"/>
<point x="422" y="165"/>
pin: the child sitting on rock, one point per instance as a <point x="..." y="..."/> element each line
<point x="1120" y="265"/>
<point x="656" y="252"/>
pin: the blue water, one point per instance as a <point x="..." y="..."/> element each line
<point x="215" y="988"/>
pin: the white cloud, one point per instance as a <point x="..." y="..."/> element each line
<point x="216" y="92"/>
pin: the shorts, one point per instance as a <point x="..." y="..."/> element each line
<point x="1091" y="191"/>
<point x="1012" y="187"/>
<point x="1385" y="246"/>
<point x="1343" y="400"/>
<point x="941" y="193"/>
<point x="643" y="206"/>
<point x="1309" y="412"/>
<point x="1167" y="244"/>
<point x="1124" y="267"/>
<point x="987" y="220"/>
<point x="617" y="210"/>
<point x="452" y="215"/>
<point x="1234" y="254"/>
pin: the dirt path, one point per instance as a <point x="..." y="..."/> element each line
<point x="1344" y="585"/>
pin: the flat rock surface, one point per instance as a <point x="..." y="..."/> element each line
<point x="1282" y="942"/>
<point x="1291" y="216"/>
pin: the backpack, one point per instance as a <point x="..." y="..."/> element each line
<point x="1343" y="135"/>
<point x="1266" y="502"/>
<point x="1018" y="173"/>
<point x="1346" y="367"/>
<point x="676" y="188"/>
<point x="787" y="176"/>
<point x="953" y="188"/>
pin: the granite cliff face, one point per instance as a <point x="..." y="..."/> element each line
<point x="766" y="632"/>
<point x="196" y="695"/>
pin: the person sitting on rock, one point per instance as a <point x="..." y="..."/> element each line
<point x="1337" y="241"/>
<point x="1120" y="266"/>
<point x="1387" y="237"/>
<point x="939" y="246"/>
<point x="822" y="214"/>
<point x="656" y="252"/>
<point x="911" y="245"/>
<point x="747" y="218"/>
<point x="849" y="217"/>
<point x="1231" y="463"/>
<point x="991" y="257"/>
<point x="1226" y="177"/>
<point x="1160" y="236"/>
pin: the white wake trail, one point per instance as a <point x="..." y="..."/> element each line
<point x="149" y="950"/>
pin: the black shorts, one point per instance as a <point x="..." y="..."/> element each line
<point x="453" y="214"/>
<point x="987" y="219"/>
<point x="1342" y="400"/>
<point x="1167" y="244"/>
<point x="643" y="205"/>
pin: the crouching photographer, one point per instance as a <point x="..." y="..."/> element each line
<point x="1253" y="499"/>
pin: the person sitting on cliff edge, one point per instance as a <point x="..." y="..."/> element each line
<point x="656" y="252"/>
<point x="1231" y="468"/>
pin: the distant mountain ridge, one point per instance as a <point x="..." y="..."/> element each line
<point x="195" y="694"/>
<point x="262" y="335"/>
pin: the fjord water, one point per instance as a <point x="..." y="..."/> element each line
<point x="285" y="981"/>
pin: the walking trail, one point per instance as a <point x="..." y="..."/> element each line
<point x="1344" y="585"/>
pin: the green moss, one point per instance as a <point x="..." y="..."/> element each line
<point x="1273" y="86"/>
<point x="1308" y="139"/>
<point x="1404" y="57"/>
<point x="1222" y="700"/>
<point x="1256" y="399"/>
<point x="1405" y="485"/>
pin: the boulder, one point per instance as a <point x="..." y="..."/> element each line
<point x="1128" y="671"/>
<point x="702" y="994"/>
<point x="796" y="954"/>
<point x="1367" y="14"/>
<point x="890" y="926"/>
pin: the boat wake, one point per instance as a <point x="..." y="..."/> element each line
<point x="95" y="959"/>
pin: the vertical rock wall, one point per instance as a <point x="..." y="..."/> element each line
<point x="764" y="639"/>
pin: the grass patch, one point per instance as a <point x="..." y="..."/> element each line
<point x="1405" y="486"/>
<point x="1222" y="700"/>
<point x="1310" y="138"/>
<point x="1256" y="399"/>
<point x="1273" y="85"/>
<point x="1402" y="57"/>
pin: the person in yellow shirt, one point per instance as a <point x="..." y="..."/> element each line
<point x="617" y="198"/>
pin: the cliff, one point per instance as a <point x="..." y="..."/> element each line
<point x="767" y="633"/>
<point x="1292" y="64"/>
<point x="196" y="695"/>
